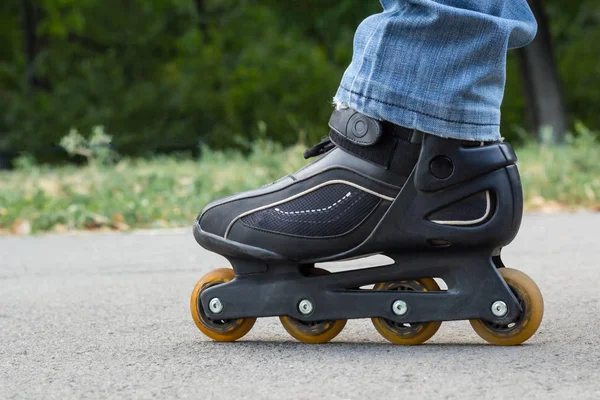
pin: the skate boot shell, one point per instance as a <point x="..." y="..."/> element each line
<point x="440" y="209"/>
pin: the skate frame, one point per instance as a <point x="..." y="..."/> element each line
<point x="264" y="290"/>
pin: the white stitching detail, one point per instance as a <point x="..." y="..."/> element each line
<point x="354" y="185"/>
<point x="346" y="196"/>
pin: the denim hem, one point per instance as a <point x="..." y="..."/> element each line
<point x="412" y="118"/>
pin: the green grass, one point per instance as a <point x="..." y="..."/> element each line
<point x="168" y="192"/>
<point x="158" y="193"/>
<point x="561" y="177"/>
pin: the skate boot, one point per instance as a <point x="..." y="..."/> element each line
<point x="441" y="209"/>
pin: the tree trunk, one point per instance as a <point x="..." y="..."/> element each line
<point x="202" y="18"/>
<point x="29" y="28"/>
<point x="541" y="83"/>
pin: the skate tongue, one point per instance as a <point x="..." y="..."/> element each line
<point x="320" y="148"/>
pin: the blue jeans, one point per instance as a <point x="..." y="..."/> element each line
<point x="437" y="66"/>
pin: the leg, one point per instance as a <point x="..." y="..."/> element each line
<point x="437" y="66"/>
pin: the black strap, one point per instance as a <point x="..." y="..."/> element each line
<point x="356" y="127"/>
<point x="391" y="152"/>
<point x="363" y="130"/>
<point x="391" y="146"/>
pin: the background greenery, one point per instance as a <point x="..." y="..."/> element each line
<point x="166" y="191"/>
<point x="250" y="79"/>
<point x="170" y="74"/>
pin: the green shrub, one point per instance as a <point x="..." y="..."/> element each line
<point x="554" y="176"/>
<point x="163" y="75"/>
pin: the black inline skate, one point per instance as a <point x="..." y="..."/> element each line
<point x="439" y="208"/>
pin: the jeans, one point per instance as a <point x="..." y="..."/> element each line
<point x="437" y="66"/>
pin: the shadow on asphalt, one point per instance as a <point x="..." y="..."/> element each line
<point x="353" y="345"/>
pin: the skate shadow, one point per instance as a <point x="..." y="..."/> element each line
<point x="265" y="346"/>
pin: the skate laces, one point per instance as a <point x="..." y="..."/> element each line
<point x="320" y="148"/>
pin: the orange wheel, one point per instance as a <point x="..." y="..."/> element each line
<point x="219" y="330"/>
<point x="532" y="310"/>
<point x="313" y="332"/>
<point x="405" y="333"/>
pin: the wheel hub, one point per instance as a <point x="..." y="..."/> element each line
<point x="305" y="307"/>
<point x="400" y="307"/>
<point x="215" y="305"/>
<point x="499" y="308"/>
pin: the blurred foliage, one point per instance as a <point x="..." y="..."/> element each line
<point x="158" y="192"/>
<point x="554" y="176"/>
<point x="170" y="74"/>
<point x="96" y="149"/>
<point x="576" y="32"/>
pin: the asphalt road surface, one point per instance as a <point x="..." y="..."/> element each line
<point x="107" y="316"/>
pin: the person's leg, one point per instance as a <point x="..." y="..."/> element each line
<point x="437" y="66"/>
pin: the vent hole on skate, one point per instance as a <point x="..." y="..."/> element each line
<point x="367" y="287"/>
<point x="472" y="210"/>
<point x="441" y="283"/>
<point x="374" y="261"/>
<point x="438" y="243"/>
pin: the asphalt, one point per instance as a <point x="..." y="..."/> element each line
<point x="107" y="316"/>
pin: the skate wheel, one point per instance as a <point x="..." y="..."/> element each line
<point x="219" y="330"/>
<point x="406" y="333"/>
<point x="313" y="332"/>
<point x="532" y="305"/>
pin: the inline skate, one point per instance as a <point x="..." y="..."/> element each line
<point x="440" y="209"/>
